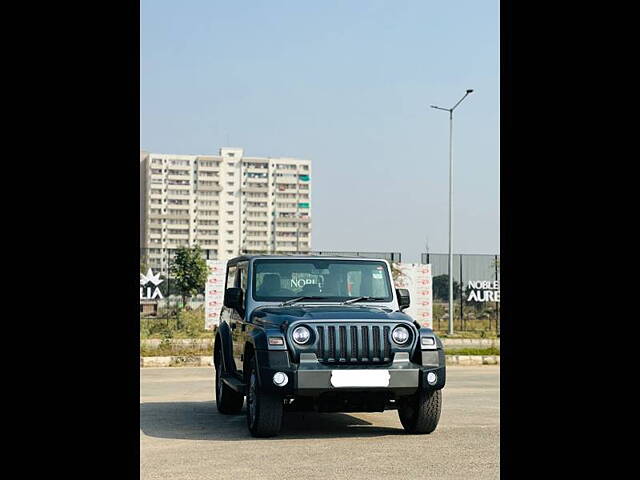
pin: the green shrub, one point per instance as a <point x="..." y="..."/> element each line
<point x="186" y="323"/>
<point x="472" y="351"/>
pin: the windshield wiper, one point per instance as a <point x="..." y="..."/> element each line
<point x="291" y="301"/>
<point x="359" y="299"/>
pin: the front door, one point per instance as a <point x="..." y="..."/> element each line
<point x="240" y="332"/>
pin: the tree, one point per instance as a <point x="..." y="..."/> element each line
<point x="143" y="264"/>
<point x="441" y="288"/>
<point x="474" y="303"/>
<point x="396" y="272"/>
<point x="188" y="272"/>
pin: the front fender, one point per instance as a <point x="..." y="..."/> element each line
<point x="269" y="358"/>
<point x="434" y="357"/>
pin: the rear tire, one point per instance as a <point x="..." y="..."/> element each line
<point x="228" y="401"/>
<point x="264" y="410"/>
<point x="420" y="412"/>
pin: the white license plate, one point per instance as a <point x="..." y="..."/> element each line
<point x="360" y="378"/>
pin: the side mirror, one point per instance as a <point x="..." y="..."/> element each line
<point x="403" y="298"/>
<point x="233" y="298"/>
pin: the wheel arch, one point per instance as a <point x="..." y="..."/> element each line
<point x="223" y="344"/>
<point x="249" y="354"/>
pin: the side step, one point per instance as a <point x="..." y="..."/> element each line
<point x="234" y="384"/>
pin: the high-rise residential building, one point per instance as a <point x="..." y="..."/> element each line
<point x="228" y="204"/>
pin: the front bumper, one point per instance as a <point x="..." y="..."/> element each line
<point x="312" y="378"/>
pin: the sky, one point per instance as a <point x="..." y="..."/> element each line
<point x="347" y="85"/>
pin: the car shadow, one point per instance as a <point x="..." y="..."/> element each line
<point x="202" y="421"/>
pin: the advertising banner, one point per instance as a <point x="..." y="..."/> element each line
<point x="416" y="278"/>
<point x="214" y="293"/>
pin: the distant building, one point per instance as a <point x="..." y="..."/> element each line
<point x="228" y="204"/>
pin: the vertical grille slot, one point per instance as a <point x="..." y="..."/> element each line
<point x="332" y="344"/>
<point x="376" y="344"/>
<point x="387" y="344"/>
<point x="364" y="331"/>
<point x="354" y="344"/>
<point x="343" y="355"/>
<point x="320" y="349"/>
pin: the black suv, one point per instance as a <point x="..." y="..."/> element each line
<point x="326" y="334"/>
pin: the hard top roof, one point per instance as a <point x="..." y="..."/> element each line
<point x="300" y="257"/>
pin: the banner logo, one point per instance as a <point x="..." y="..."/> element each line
<point x="483" y="291"/>
<point x="147" y="292"/>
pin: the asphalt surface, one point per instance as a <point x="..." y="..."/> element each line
<point x="182" y="435"/>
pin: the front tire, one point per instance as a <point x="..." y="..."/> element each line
<point x="420" y="412"/>
<point x="264" y="410"/>
<point x="228" y="401"/>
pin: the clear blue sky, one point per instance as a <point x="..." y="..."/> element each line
<point x="346" y="84"/>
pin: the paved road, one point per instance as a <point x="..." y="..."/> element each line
<point x="182" y="435"/>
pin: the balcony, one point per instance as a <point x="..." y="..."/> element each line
<point x="255" y="189"/>
<point x="255" y="208"/>
<point x="254" y="169"/>
<point x="204" y="168"/>
<point x="178" y="167"/>
<point x="257" y="228"/>
<point x="208" y="188"/>
<point x="178" y="210"/>
<point x="176" y="196"/>
<point x="285" y="209"/>
<point x="207" y="216"/>
<point x="264" y="185"/>
<point x="287" y="249"/>
<point x="257" y="235"/>
<point x="178" y="186"/>
<point x="182" y="226"/>
<point x="179" y="177"/>
<point x="177" y="216"/>
<point x="286" y="229"/>
<point x="203" y="236"/>
<point x="177" y="236"/>
<point x="256" y="250"/>
<point x="287" y="190"/>
<point x="177" y="206"/>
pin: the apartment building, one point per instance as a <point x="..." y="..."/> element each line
<point x="228" y="204"/>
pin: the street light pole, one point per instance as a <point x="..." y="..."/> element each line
<point x="450" y="110"/>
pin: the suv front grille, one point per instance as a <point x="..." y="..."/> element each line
<point x="363" y="344"/>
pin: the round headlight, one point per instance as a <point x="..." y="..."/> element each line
<point x="301" y="335"/>
<point x="400" y="335"/>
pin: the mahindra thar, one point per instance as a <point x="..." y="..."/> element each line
<point x="325" y="334"/>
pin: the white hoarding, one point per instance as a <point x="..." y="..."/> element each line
<point x="416" y="278"/>
<point x="214" y="293"/>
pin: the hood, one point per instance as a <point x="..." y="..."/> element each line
<point x="279" y="315"/>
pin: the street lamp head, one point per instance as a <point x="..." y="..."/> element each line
<point x="470" y="90"/>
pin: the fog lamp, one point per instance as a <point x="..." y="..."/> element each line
<point x="432" y="378"/>
<point x="280" y="379"/>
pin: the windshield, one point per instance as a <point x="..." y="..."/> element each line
<point x="324" y="280"/>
